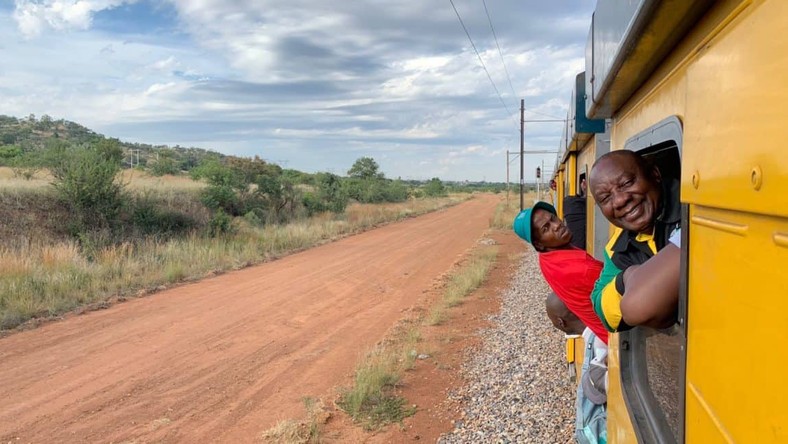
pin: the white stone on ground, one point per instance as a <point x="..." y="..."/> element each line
<point x="516" y="385"/>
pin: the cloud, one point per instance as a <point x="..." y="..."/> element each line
<point x="33" y="16"/>
<point x="306" y="77"/>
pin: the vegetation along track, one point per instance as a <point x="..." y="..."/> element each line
<point x="228" y="357"/>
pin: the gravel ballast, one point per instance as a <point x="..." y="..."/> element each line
<point x="517" y="387"/>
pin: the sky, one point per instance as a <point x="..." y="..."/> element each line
<point x="308" y="84"/>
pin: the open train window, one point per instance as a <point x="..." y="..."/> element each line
<point x="653" y="361"/>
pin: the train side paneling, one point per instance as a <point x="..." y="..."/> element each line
<point x="728" y="84"/>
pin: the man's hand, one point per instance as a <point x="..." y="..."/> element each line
<point x="651" y="290"/>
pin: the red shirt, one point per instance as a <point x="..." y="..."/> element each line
<point x="571" y="273"/>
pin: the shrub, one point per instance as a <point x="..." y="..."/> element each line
<point x="223" y="198"/>
<point x="395" y="191"/>
<point x="435" y="188"/>
<point x="253" y="219"/>
<point x="164" y="165"/>
<point x="221" y="223"/>
<point x="85" y="179"/>
<point x="330" y="192"/>
<point x="149" y="219"/>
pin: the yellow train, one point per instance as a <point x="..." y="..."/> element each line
<point x="701" y="87"/>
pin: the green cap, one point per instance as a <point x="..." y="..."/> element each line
<point x="522" y="223"/>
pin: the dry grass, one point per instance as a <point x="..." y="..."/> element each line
<point x="135" y="180"/>
<point x="39" y="280"/>
<point x="505" y="213"/>
<point x="140" y="180"/>
<point x="11" y="184"/>
<point x="462" y="282"/>
<point x="300" y="432"/>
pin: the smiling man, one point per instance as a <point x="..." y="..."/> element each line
<point x="645" y="208"/>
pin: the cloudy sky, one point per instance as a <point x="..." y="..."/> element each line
<point x="308" y="84"/>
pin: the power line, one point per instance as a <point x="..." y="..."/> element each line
<point x="492" y="28"/>
<point x="543" y="114"/>
<point x="509" y="113"/>
<point x="500" y="53"/>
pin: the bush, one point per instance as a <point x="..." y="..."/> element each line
<point x="163" y="166"/>
<point x="375" y="190"/>
<point x="330" y="195"/>
<point x="221" y="223"/>
<point x="395" y="191"/>
<point x="85" y="180"/>
<point x="435" y="188"/>
<point x="253" y="219"/>
<point x="149" y="219"/>
<point x="8" y="153"/>
<point x="313" y="204"/>
<point x="222" y="198"/>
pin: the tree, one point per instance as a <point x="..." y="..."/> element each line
<point x="365" y="168"/>
<point x="329" y="196"/>
<point x="110" y="149"/>
<point x="277" y="195"/>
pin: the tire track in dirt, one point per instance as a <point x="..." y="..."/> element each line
<point x="223" y="359"/>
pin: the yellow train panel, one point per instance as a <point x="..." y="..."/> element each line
<point x="619" y="427"/>
<point x="738" y="322"/>
<point x="736" y="115"/>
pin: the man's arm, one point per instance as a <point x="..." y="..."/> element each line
<point x="652" y="290"/>
<point x="606" y="297"/>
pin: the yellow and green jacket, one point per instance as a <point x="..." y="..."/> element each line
<point x="627" y="248"/>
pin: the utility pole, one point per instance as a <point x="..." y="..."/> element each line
<point x="522" y="151"/>
<point x="507" y="179"/>
<point x="509" y="162"/>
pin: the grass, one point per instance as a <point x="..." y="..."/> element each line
<point x="40" y="279"/>
<point x="373" y="401"/>
<point x="462" y="282"/>
<point x="300" y="432"/>
<point x="506" y="212"/>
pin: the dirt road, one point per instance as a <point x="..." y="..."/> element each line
<point x="226" y="358"/>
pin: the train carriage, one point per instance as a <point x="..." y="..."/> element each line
<point x="700" y="87"/>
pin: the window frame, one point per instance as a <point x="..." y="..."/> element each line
<point x="645" y="412"/>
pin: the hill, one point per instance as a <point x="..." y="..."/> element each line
<point x="31" y="134"/>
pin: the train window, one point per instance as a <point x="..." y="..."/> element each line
<point x="652" y="361"/>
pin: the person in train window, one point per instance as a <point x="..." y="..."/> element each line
<point x="575" y="215"/>
<point x="644" y="207"/>
<point x="569" y="271"/>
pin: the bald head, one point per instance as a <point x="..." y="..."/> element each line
<point x="627" y="188"/>
<point x="561" y="317"/>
